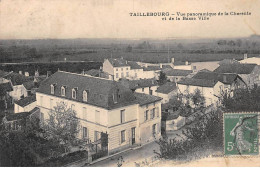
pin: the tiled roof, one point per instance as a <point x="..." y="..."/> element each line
<point x="226" y="78"/>
<point x="134" y="65"/>
<point x="198" y="82"/>
<point x="5" y="87"/>
<point x="134" y="84"/>
<point x="100" y="91"/>
<point x="144" y="99"/>
<point x="26" y="101"/>
<point x="166" y="88"/>
<point x="118" y="62"/>
<point x="236" y="68"/>
<point x="177" y="72"/>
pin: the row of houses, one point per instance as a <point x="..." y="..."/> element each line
<point x="15" y="86"/>
<point x="128" y="110"/>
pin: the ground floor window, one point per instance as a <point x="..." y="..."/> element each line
<point x="96" y="136"/>
<point x="154" y="129"/>
<point x="122" y="136"/>
<point x="84" y="132"/>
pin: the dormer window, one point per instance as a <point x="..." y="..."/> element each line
<point x="74" y="93"/>
<point x="85" y="95"/>
<point x="52" y="89"/>
<point x="63" y="91"/>
<point x="115" y="96"/>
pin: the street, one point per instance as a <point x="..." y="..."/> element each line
<point x="131" y="157"/>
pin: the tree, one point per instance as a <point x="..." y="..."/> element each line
<point x="207" y="133"/>
<point x="242" y="100"/>
<point x="198" y="99"/>
<point x="162" y="78"/>
<point x="62" y="125"/>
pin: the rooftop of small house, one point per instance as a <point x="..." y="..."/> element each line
<point x="26" y="101"/>
<point x="144" y="99"/>
<point x="198" y="82"/>
<point x="177" y="72"/>
<point x="166" y="88"/>
<point x="226" y="78"/>
<point x="236" y="68"/>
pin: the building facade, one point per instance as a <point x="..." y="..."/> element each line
<point x="102" y="106"/>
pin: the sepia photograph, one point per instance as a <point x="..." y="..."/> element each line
<point x="129" y="83"/>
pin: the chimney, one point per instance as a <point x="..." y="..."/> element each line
<point x="36" y="73"/>
<point x="146" y="65"/>
<point x="186" y="63"/>
<point x="245" y="56"/>
<point x="83" y="72"/>
<point x="26" y="74"/>
<point x="224" y="78"/>
<point x="172" y="60"/>
<point x="160" y="65"/>
<point x="48" y="73"/>
<point x="20" y="72"/>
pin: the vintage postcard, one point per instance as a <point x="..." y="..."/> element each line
<point x="129" y="83"/>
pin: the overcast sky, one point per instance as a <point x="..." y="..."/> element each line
<point x="29" y="19"/>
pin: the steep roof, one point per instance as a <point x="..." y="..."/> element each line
<point x="5" y="87"/>
<point x="144" y="99"/>
<point x="226" y="78"/>
<point x="166" y="88"/>
<point x="100" y="90"/>
<point x="198" y="82"/>
<point x="177" y="72"/>
<point x="26" y="101"/>
<point x="236" y="68"/>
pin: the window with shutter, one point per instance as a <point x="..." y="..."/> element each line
<point x="97" y="116"/>
<point x="122" y="136"/>
<point x="122" y="116"/>
<point x="84" y="113"/>
<point x="146" y="115"/>
<point x="157" y="111"/>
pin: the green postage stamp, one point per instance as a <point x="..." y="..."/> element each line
<point x="241" y="134"/>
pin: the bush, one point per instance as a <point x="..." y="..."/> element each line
<point x="205" y="134"/>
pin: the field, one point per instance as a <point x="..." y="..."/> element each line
<point x="49" y="54"/>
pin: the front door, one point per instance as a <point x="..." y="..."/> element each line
<point x="133" y="135"/>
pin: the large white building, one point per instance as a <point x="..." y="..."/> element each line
<point x="120" y="68"/>
<point x="210" y="89"/>
<point x="103" y="106"/>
